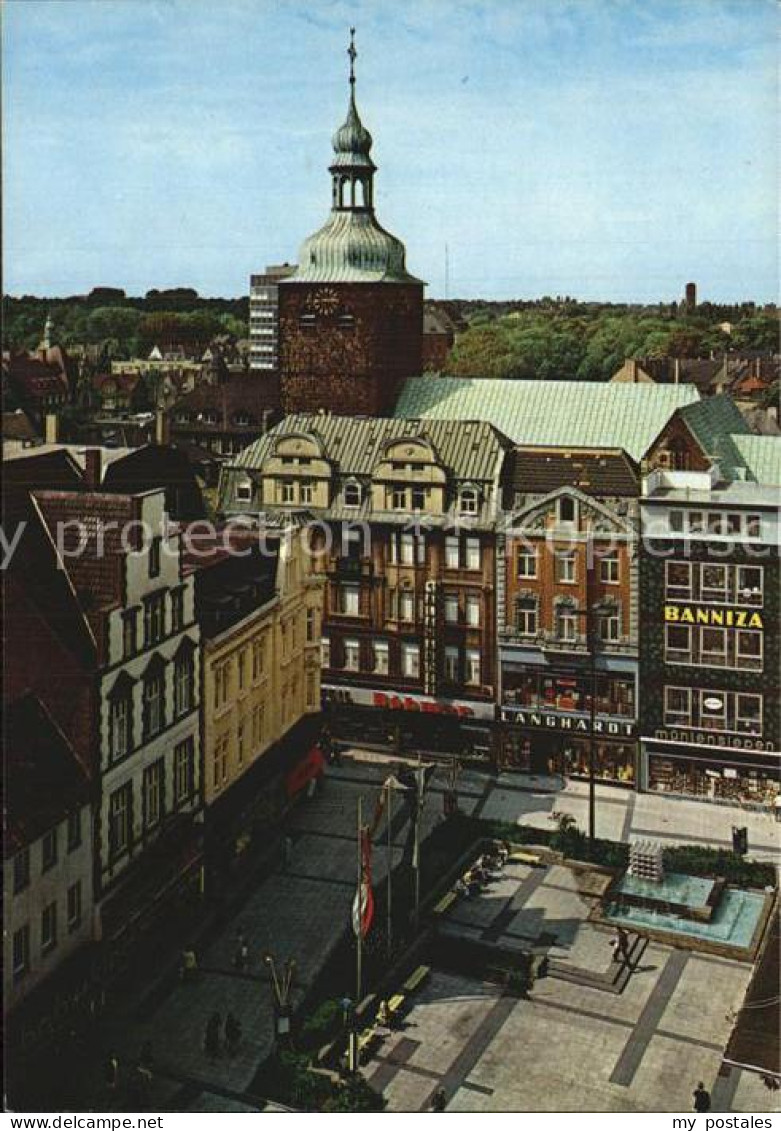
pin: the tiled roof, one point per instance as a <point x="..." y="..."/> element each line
<point x="241" y="394"/>
<point x="599" y="473"/>
<point x="468" y="449"/>
<point x="551" y="413"/>
<point x="761" y="455"/>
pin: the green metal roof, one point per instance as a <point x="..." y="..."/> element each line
<point x="551" y="413"/>
<point x="712" y="419"/>
<point x="761" y="456"/>
<point x="352" y="247"/>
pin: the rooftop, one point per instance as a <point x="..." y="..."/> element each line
<point x="596" y="472"/>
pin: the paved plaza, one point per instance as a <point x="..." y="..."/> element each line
<point x="569" y="1046"/>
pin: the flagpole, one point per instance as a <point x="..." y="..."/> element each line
<point x="389" y="819"/>
<point x="359" y="946"/>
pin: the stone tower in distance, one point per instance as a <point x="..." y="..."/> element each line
<point x="351" y="317"/>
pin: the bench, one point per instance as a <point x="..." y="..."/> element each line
<point x="523" y="858"/>
<point x="445" y="903"/>
<point x="395" y="1004"/>
<point x="417" y="978"/>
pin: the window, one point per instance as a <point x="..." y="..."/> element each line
<point x="352" y="655"/>
<point x="713" y="646"/>
<point x="713" y="710"/>
<point x="241" y="668"/>
<point x="352" y="495"/>
<point x="220" y="767"/>
<point x="677" y="706"/>
<point x="451" y="608"/>
<point x="565" y="566"/>
<point x="49" y="928"/>
<point x="258" y="726"/>
<point x="154" y="619"/>
<point x="221" y="684"/>
<point x="120" y="719"/>
<point x="244" y="491"/>
<point x="258" y="648"/>
<point x="325" y="652"/>
<point x="610" y="625"/>
<point x="410" y="661"/>
<point x="753" y="526"/>
<point x="21" y="869"/>
<point x="407" y="549"/>
<point x="154" y="702"/>
<point x="183" y="682"/>
<point x="349" y="598"/>
<point x="527" y="561"/>
<point x="527" y="616"/>
<point x="676" y="522"/>
<point x="240" y="736"/>
<point x="467" y="502"/>
<point x="74" y="829"/>
<point x="678" y="643"/>
<point x="566" y="509"/>
<point x="21" y="951"/>
<point x="153" y="794"/>
<point x="406" y="605"/>
<point x="399" y="498"/>
<point x="715" y="522"/>
<point x="749" y="583"/>
<point x="311" y="626"/>
<point x="473" y="553"/>
<point x="177" y="610"/>
<point x="451" y="664"/>
<point x="713" y="583"/>
<point x="380" y="650"/>
<point x="451" y="553"/>
<point x="566" y="623"/>
<point x="288" y="491"/>
<point x="748" y="650"/>
<point x="678" y="580"/>
<point x="49" y="850"/>
<point x="154" y="557"/>
<point x="609" y="569"/>
<point x="306" y="491"/>
<point x="418" y="498"/>
<point x="129" y="633"/>
<point x="473" y="610"/>
<point x="119" y="820"/>
<point x="184" y="771"/>
<point x="733" y="523"/>
<point x="74" y="905"/>
<point x="696" y="522"/>
<point x="472" y="667"/>
<point x="748" y="714"/>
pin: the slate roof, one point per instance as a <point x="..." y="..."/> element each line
<point x="594" y="472"/>
<point x="551" y="413"/>
<point x="761" y="455"/>
<point x="468" y="449"/>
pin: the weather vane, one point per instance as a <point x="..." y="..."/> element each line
<point x="352" y="53"/>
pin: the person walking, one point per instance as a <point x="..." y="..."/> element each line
<point x="111" y="1072"/>
<point x="701" y="1098"/>
<point x="232" y="1034"/>
<point x="211" y="1042"/>
<point x="188" y="969"/>
<point x="439" y="1100"/>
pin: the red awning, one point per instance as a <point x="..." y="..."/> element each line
<point x="309" y="768"/>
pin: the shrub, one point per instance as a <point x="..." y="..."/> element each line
<point x="697" y="860"/>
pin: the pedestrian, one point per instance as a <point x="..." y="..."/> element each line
<point x="232" y="1034"/>
<point x="701" y="1098"/>
<point x="211" y="1042"/>
<point x="439" y="1100"/>
<point x="623" y="943"/>
<point x="111" y="1071"/>
<point x="383" y="1015"/>
<point x="188" y="967"/>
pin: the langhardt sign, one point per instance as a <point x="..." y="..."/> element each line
<point x="574" y="724"/>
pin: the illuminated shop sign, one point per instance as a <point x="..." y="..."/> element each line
<point x="723" y="618"/>
<point x="609" y="728"/>
<point x="366" y="697"/>
<point x="711" y="738"/>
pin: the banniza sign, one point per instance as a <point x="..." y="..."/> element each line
<point x="724" y="618"/>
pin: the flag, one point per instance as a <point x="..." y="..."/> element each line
<point x="363" y="904"/>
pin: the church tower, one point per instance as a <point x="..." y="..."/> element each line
<point x="351" y="317"/>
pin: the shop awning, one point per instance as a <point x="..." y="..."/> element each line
<point x="312" y="766"/>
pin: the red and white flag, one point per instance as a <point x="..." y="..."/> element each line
<point x="363" y="904"/>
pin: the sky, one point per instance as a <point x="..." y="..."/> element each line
<point x="605" y="149"/>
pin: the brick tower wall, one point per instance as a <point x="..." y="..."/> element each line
<point x="351" y="368"/>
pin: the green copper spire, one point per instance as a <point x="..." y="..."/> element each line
<point x="352" y="246"/>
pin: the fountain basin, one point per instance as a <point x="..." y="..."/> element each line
<point x="687" y="897"/>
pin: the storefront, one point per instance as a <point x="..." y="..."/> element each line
<point x="568" y="691"/>
<point x="727" y="777"/>
<point x="550" y="742"/>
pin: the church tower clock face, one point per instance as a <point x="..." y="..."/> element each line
<point x="326" y="301"/>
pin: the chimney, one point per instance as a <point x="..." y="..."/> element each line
<point x="162" y="428"/>
<point x="92" y="469"/>
<point x="50" y="428"/>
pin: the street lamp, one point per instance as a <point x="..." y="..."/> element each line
<point x="281" y="985"/>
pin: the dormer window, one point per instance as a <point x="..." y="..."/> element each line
<point x="244" y="491"/>
<point x="566" y="509"/>
<point x="242" y="419"/>
<point x="352" y="494"/>
<point x="467" y="501"/>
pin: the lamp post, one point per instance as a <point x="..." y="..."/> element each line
<point x="590" y="614"/>
<point x="281" y="984"/>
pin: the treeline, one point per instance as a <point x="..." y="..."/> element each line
<point x="572" y="341"/>
<point x="130" y="325"/>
